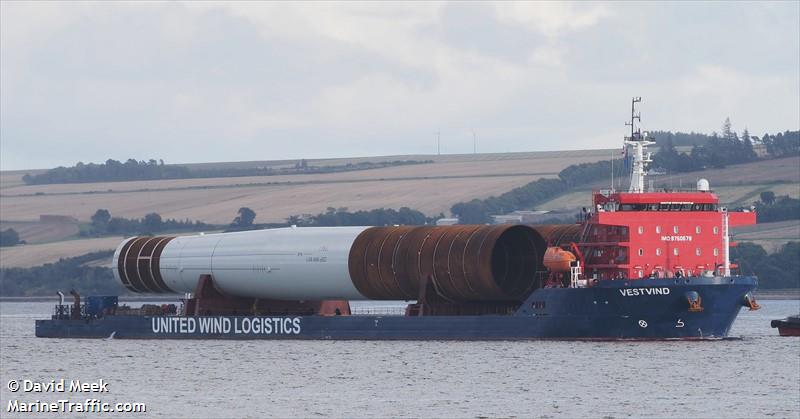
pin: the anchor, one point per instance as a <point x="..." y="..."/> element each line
<point x="695" y="302"/>
<point x="749" y="301"/>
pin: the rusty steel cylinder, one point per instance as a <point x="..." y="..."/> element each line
<point x="559" y="234"/>
<point x="461" y="263"/>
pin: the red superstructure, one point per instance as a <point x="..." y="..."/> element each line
<point x="660" y="234"/>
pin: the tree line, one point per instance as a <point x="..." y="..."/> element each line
<point x="720" y="150"/>
<point x="376" y="217"/>
<point x="771" y="208"/>
<point x="775" y="271"/>
<point x="102" y="223"/>
<point x="10" y="237"/>
<point x="131" y="169"/>
<point x="66" y="274"/>
<point x="110" y="171"/>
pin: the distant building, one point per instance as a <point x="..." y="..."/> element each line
<point x="760" y="150"/>
<point x="507" y="219"/>
<point x="446" y="221"/>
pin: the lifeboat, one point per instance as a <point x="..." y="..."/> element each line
<point x="558" y="260"/>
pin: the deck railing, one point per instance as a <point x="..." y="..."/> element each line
<point x="378" y="311"/>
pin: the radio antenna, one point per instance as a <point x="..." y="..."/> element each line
<point x="639" y="143"/>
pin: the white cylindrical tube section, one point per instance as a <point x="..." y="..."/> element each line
<point x="308" y="263"/>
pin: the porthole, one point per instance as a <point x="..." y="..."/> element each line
<point x="641" y="229"/>
<point x="716" y="252"/>
<point x="675" y="251"/>
<point x="716" y="230"/>
<point x="658" y="251"/>
<point x="641" y="252"/>
<point x="675" y="229"/>
<point x="697" y="229"/>
<point x="658" y="229"/>
<point x="697" y="251"/>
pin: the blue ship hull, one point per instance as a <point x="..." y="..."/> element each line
<point x="610" y="310"/>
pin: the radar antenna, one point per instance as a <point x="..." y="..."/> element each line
<point x="639" y="142"/>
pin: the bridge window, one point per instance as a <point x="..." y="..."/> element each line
<point x="634" y="207"/>
<point x="668" y="207"/>
<point x="658" y="251"/>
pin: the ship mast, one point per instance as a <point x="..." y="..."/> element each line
<point x="639" y="143"/>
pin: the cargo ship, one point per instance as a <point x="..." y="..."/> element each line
<point x="637" y="264"/>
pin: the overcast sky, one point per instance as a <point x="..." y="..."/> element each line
<point x="195" y="82"/>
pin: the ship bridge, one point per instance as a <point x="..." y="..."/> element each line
<point x="656" y="233"/>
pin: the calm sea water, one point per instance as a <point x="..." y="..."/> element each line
<point x="752" y="377"/>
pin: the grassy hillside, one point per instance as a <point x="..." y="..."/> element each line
<point x="431" y="188"/>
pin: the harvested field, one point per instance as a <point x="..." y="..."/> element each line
<point x="12" y="178"/>
<point x="431" y="188"/>
<point x="38" y="254"/>
<point x="34" y="232"/>
<point x="271" y="203"/>
<point x="770" y="236"/>
<point x="471" y="165"/>
<point x="444" y="158"/>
